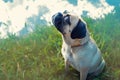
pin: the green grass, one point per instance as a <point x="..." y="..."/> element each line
<point x="37" y="56"/>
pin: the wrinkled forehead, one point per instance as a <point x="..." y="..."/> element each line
<point x="67" y="13"/>
<point x="74" y="18"/>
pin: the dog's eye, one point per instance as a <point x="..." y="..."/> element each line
<point x="67" y="19"/>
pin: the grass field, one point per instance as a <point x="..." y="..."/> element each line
<point x="37" y="56"/>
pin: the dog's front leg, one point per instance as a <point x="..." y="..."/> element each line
<point x="83" y="74"/>
<point x="66" y="66"/>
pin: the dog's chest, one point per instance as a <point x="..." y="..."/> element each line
<point x="69" y="57"/>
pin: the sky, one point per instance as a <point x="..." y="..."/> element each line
<point x="15" y="15"/>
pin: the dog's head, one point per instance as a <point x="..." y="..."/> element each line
<point x="71" y="24"/>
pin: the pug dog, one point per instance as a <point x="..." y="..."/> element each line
<point x="79" y="50"/>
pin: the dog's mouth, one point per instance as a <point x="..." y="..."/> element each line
<point x="60" y="21"/>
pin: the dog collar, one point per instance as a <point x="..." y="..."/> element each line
<point x="81" y="42"/>
<point x="77" y="45"/>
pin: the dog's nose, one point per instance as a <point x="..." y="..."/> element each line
<point x="57" y="17"/>
<point x="59" y="14"/>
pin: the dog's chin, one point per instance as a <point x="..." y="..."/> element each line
<point x="59" y="27"/>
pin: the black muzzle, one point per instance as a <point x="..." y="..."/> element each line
<point x="60" y="21"/>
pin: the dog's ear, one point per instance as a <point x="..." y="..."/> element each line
<point x="79" y="31"/>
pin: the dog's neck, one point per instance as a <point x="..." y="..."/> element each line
<point x="76" y="42"/>
<point x="81" y="42"/>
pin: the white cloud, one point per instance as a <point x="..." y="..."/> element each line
<point x="83" y="5"/>
<point x="19" y="11"/>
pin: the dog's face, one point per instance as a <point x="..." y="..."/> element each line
<point x="69" y="25"/>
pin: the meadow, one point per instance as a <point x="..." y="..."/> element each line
<point x="37" y="56"/>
